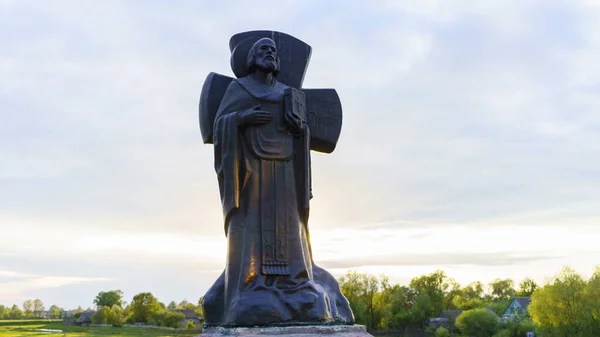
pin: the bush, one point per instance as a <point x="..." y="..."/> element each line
<point x="518" y="326"/>
<point x="190" y="325"/>
<point x="477" y="323"/>
<point x="168" y="319"/>
<point x="442" y="332"/>
<point x="502" y="333"/>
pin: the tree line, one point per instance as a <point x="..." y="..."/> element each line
<point x="31" y="309"/>
<point x="143" y="308"/>
<point x="565" y="305"/>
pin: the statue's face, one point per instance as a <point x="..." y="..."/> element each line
<point x="266" y="55"/>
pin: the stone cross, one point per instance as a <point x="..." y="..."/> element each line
<point x="323" y="106"/>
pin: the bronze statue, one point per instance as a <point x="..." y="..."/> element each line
<point x="261" y="131"/>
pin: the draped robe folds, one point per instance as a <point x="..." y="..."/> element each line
<point x="264" y="181"/>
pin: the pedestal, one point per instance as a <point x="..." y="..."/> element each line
<point x="295" y="331"/>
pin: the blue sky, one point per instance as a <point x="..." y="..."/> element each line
<point x="470" y="141"/>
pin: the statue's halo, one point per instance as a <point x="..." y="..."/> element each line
<point x="294" y="55"/>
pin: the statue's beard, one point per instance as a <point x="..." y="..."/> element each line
<point x="267" y="67"/>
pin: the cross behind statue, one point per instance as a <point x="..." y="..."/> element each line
<point x="321" y="109"/>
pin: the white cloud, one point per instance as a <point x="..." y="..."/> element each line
<point x="16" y="290"/>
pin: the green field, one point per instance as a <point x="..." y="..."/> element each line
<point x="33" y="328"/>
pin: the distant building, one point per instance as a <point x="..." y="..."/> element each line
<point x="518" y="306"/>
<point x="41" y="314"/>
<point x="85" y="318"/>
<point x="190" y="316"/>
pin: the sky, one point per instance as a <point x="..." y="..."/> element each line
<point x="470" y="141"/>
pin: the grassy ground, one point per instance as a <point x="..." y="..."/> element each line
<point x="31" y="328"/>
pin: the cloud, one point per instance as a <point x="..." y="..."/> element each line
<point x="15" y="290"/>
<point x="439" y="260"/>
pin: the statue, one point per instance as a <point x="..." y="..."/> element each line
<point x="263" y="126"/>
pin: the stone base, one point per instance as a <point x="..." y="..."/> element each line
<point x="295" y="331"/>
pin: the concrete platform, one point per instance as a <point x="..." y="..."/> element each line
<point x="296" y="331"/>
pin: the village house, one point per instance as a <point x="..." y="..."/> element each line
<point x="190" y="316"/>
<point x="518" y="306"/>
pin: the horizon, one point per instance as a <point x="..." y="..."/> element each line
<point x="467" y="145"/>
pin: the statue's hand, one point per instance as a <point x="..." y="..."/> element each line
<point x="255" y="116"/>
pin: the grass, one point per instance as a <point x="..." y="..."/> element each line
<point x="29" y="329"/>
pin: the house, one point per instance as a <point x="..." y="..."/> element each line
<point x="518" y="306"/>
<point x="446" y="319"/>
<point x="85" y="318"/>
<point x="190" y="316"/>
<point x="42" y="314"/>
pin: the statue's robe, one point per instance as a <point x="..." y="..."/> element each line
<point x="264" y="180"/>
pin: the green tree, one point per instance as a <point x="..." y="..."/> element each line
<point x="526" y="287"/>
<point x="477" y="323"/>
<point x="452" y="291"/>
<point x="591" y="295"/>
<point x="16" y="313"/>
<point x="38" y="305"/>
<point x="559" y="306"/>
<point x="442" y="332"/>
<point x="518" y="326"/>
<point x="434" y="287"/>
<point x="117" y="316"/>
<point x="55" y="311"/>
<point x="109" y="298"/>
<point x="186" y="305"/>
<point x="172" y="306"/>
<point x="199" y="309"/>
<point x="474" y="290"/>
<point x="144" y="307"/>
<point x="169" y="319"/>
<point x="28" y="307"/>
<point x="402" y="299"/>
<point x="107" y="315"/>
<point x="502" y="289"/>
<point x="4" y="312"/>
<point x="351" y="287"/>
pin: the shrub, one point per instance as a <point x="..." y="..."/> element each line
<point x="442" y="332"/>
<point x="190" y="325"/>
<point x="477" y="323"/>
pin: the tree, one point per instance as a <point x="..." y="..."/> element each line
<point x="502" y="289"/>
<point x="559" y="306"/>
<point x="199" y="308"/>
<point x="16" y="313"/>
<point x="55" y="311"/>
<point x="351" y="287"/>
<point x="474" y="290"/>
<point x="143" y="307"/>
<point x="527" y="287"/>
<point x="38" y="305"/>
<point x="106" y="315"/>
<point x="109" y="298"/>
<point x="433" y="286"/>
<point x="172" y="306"/>
<point x="592" y="303"/>
<point x="169" y="319"/>
<point x="442" y="332"/>
<point x="452" y="292"/>
<point x="28" y="307"/>
<point x="4" y="312"/>
<point x="185" y="305"/>
<point x="477" y="323"/>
